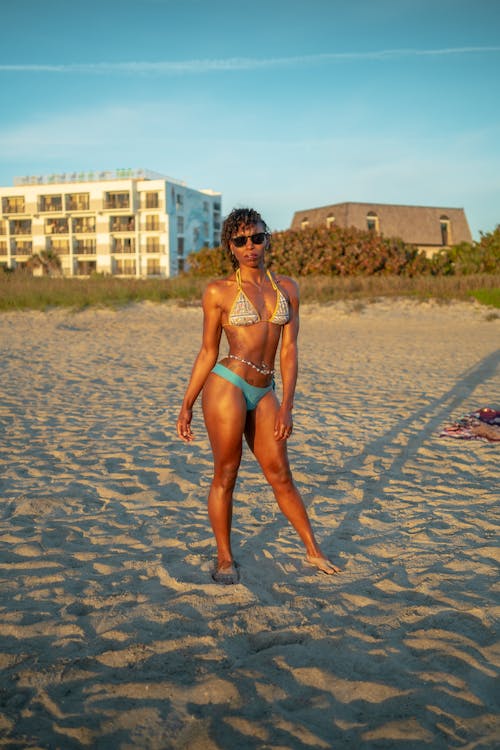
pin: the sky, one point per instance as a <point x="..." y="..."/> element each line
<point x="278" y="104"/>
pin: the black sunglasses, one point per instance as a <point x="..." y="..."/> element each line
<point x="256" y="239"/>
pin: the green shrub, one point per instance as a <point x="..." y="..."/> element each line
<point x="335" y="252"/>
<point x="208" y="261"/>
<point x="343" y="252"/>
<point x="352" y="252"/>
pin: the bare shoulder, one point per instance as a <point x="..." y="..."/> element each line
<point x="216" y="292"/>
<point x="289" y="285"/>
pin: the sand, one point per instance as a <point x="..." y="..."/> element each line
<point x="112" y="634"/>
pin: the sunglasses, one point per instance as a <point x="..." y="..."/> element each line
<point x="256" y="239"/>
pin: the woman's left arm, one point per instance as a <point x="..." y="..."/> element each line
<point x="289" y="362"/>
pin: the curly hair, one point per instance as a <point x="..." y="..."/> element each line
<point x="237" y="218"/>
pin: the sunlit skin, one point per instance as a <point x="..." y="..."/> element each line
<point x="267" y="428"/>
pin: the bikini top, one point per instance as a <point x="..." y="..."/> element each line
<point x="243" y="312"/>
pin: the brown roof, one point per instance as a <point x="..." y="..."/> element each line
<point x="418" y="225"/>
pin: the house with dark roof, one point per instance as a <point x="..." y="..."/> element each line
<point x="429" y="228"/>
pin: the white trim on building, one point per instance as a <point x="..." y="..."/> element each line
<point x="121" y="223"/>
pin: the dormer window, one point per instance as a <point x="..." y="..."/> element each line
<point x="372" y="222"/>
<point x="444" y="224"/>
<point x="304" y="224"/>
<point x="330" y="221"/>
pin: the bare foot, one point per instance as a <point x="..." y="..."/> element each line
<point x="227" y="574"/>
<point x="323" y="564"/>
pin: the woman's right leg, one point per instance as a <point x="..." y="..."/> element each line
<point x="225" y="412"/>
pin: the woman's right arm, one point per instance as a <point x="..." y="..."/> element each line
<point x="204" y="362"/>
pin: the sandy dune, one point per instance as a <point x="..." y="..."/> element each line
<point x="111" y="632"/>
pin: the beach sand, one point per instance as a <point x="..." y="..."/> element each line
<point x="112" y="634"/>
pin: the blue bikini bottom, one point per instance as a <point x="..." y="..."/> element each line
<point x="251" y="393"/>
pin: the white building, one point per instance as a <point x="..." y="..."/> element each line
<point x="125" y="222"/>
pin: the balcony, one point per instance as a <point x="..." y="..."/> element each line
<point x="153" y="267"/>
<point x="153" y="245"/>
<point x="84" y="247"/>
<point x="152" y="223"/>
<point x="21" y="247"/>
<point x="48" y="203"/>
<point x="151" y="200"/>
<point x="60" y="247"/>
<point x="84" y="226"/>
<point x="13" y="205"/>
<point x="124" y="267"/>
<point x="86" y="267"/>
<point x="117" y="200"/>
<point x="122" y="224"/>
<point x="77" y="202"/>
<point x="20" y="226"/>
<point x="56" y="226"/>
<point x="124" y="245"/>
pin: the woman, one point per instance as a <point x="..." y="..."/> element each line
<point x="255" y="309"/>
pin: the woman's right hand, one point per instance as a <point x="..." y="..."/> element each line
<point x="184" y="425"/>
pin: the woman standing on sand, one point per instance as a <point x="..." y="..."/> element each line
<point x="255" y="309"/>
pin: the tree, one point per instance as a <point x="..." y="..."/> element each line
<point x="47" y="261"/>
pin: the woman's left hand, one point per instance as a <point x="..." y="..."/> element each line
<point x="283" y="425"/>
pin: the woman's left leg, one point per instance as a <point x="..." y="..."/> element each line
<point x="272" y="456"/>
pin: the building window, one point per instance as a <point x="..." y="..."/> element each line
<point x="179" y="200"/>
<point x="180" y="265"/>
<point x="216" y="215"/>
<point x="153" y="267"/>
<point x="122" y="223"/>
<point x="50" y="203"/>
<point x="13" y="205"/>
<point x="56" y="226"/>
<point x="152" y="223"/>
<point x="304" y="223"/>
<point x="3" y="247"/>
<point x="330" y="221"/>
<point x="372" y="222"/>
<point x="84" y="247"/>
<point x="77" y="202"/>
<point x="118" y="200"/>
<point x="152" y="200"/>
<point x="152" y="244"/>
<point x="444" y="224"/>
<point x="125" y="266"/>
<point x="3" y="227"/>
<point x="180" y="225"/>
<point x="20" y="226"/>
<point x="180" y="246"/>
<point x="84" y="224"/>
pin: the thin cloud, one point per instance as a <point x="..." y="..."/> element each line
<point x="182" y="67"/>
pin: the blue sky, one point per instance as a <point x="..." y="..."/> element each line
<point x="281" y="105"/>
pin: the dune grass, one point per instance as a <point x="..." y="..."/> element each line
<point x="485" y="288"/>
<point x="488" y="296"/>
<point x="21" y="291"/>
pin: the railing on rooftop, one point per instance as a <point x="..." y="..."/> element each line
<point x="93" y="176"/>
